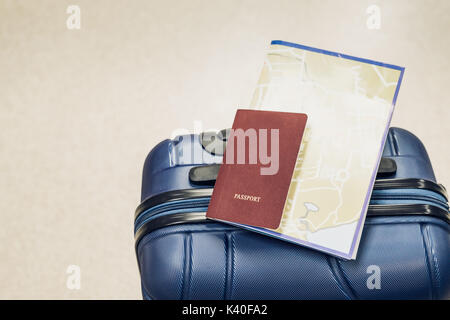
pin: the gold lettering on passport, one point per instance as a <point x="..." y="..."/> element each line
<point x="246" y="197"/>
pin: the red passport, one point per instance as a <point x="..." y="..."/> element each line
<point x="258" y="163"/>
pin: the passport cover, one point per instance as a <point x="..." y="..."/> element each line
<point x="254" y="192"/>
<point x="349" y="102"/>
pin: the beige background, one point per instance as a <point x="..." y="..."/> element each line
<point x="80" y="109"/>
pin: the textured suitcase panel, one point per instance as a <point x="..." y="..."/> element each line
<point x="215" y="261"/>
<point x="166" y="252"/>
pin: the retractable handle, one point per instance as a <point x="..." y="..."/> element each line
<point x="215" y="143"/>
<point x="207" y="174"/>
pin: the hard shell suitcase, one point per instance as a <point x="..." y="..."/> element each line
<point x="404" y="251"/>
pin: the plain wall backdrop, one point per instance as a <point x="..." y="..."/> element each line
<point x="80" y="109"/>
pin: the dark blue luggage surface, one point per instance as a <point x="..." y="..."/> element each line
<point x="404" y="251"/>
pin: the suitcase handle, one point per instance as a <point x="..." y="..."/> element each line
<point x="215" y="143"/>
<point x="206" y="175"/>
<point x="387" y="167"/>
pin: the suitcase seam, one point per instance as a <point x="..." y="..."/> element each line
<point x="191" y="257"/>
<point x="435" y="264"/>
<point x="187" y="270"/>
<point x="428" y="263"/>
<point x="225" y="276"/>
<point x="181" y="285"/>
<point x="340" y="279"/>
<point x="233" y="264"/>
<point x="230" y="266"/>
<point x="346" y="279"/>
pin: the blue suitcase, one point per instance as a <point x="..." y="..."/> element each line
<point x="404" y="251"/>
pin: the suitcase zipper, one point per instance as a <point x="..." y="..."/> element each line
<point x="410" y="183"/>
<point x="405" y="196"/>
<point x="199" y="215"/>
<point x="190" y="205"/>
<point x="181" y="206"/>
<point x="201" y="204"/>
